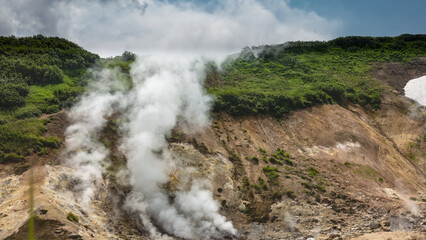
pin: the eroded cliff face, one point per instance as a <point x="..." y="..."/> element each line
<point x="327" y="172"/>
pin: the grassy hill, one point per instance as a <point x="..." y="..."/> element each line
<point x="37" y="75"/>
<point x="45" y="74"/>
<point x="291" y="76"/>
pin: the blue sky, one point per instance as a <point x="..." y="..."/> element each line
<point x="108" y="27"/>
<point x="370" y="17"/>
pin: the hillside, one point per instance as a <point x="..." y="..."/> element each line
<point x="308" y="140"/>
<point x="38" y="75"/>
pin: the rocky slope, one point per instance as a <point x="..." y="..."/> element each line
<point x="327" y="172"/>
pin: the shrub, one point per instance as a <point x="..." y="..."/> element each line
<point x="52" y="109"/>
<point x="277" y="195"/>
<point x="10" y="97"/>
<point x="10" y="157"/>
<point x="271" y="174"/>
<point x="28" y="112"/>
<point x="288" y="162"/>
<point x="72" y="217"/>
<point x="273" y="160"/>
<point x="312" y="172"/>
<point x="21" y="136"/>
<point x="255" y="160"/>
<point x="290" y="194"/>
<point x="262" y="183"/>
<point x="306" y="185"/>
<point x="51" y="141"/>
<point x="234" y="157"/>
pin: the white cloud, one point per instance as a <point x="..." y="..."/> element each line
<point x="109" y="27"/>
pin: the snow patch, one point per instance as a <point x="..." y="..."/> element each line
<point x="416" y="90"/>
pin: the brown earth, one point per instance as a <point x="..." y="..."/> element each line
<point x="341" y="173"/>
<point x="397" y="74"/>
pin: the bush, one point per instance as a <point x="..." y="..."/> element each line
<point x="52" y="109"/>
<point x="273" y="160"/>
<point x="312" y="172"/>
<point x="290" y="194"/>
<point x="52" y="141"/>
<point x="288" y="162"/>
<point x="12" y="94"/>
<point x="72" y="217"/>
<point x="271" y="174"/>
<point x="10" y="157"/>
<point x="255" y="160"/>
<point x="27" y="112"/>
<point x="21" y="136"/>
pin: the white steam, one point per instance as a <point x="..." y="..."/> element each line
<point x="82" y="148"/>
<point x="166" y="92"/>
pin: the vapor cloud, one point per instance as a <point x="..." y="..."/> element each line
<point x="166" y="93"/>
<point x="109" y="27"/>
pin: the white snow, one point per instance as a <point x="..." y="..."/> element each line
<point x="416" y="90"/>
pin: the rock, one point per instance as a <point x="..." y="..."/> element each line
<point x="242" y="207"/>
<point x="74" y="236"/>
<point x="374" y="225"/>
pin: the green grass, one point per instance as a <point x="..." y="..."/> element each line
<point x="302" y="74"/>
<point x="37" y="75"/>
<point x="21" y="136"/>
<point x="312" y="172"/>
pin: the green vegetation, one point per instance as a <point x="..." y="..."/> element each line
<point x="312" y="172"/>
<point x="290" y="194"/>
<point x="295" y="75"/>
<point x="271" y="174"/>
<point x="365" y="171"/>
<point x="72" y="217"/>
<point x="37" y="75"/>
<point x="262" y="183"/>
<point x="288" y="162"/>
<point x="255" y="160"/>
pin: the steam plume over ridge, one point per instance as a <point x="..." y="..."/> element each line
<point x="166" y="92"/>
